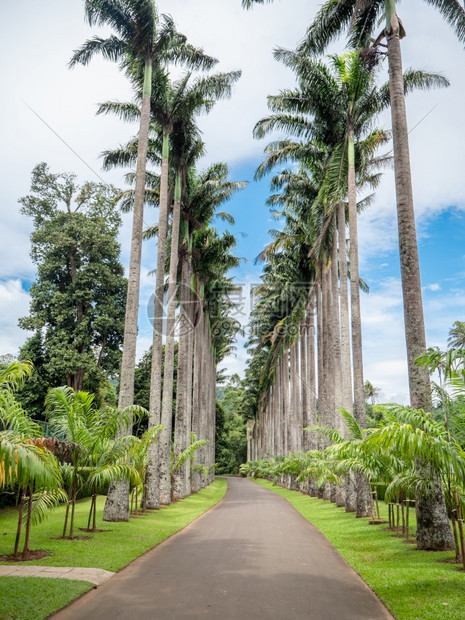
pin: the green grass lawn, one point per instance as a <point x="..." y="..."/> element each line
<point x="25" y="598"/>
<point x="110" y="550"/>
<point x="414" y="585"/>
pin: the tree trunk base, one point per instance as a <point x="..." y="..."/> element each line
<point x="117" y="504"/>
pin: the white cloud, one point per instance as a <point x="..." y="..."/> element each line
<point x="14" y="303"/>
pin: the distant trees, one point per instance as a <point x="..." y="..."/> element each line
<point x="77" y="299"/>
<point x="231" y="433"/>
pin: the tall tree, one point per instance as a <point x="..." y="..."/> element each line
<point x="142" y="40"/>
<point x="77" y="300"/>
<point x="191" y="100"/>
<point x="361" y="18"/>
<point x="135" y="40"/>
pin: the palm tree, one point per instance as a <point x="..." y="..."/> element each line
<point x="189" y="101"/>
<point x="173" y="107"/>
<point x="141" y="42"/>
<point x="362" y="19"/>
<point x="456" y="338"/>
<point x="136" y="25"/>
<point x="371" y="392"/>
<point x="25" y="462"/>
<point x="208" y="259"/>
<point x="96" y="457"/>
<point x="343" y="100"/>
<point x="20" y="460"/>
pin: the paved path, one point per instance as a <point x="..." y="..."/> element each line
<point x="252" y="557"/>
<point x="93" y="575"/>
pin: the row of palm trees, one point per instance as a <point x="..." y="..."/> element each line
<point x="387" y="454"/>
<point x="146" y="45"/>
<point x="301" y="368"/>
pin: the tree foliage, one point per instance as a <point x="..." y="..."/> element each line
<point x="231" y="434"/>
<point x="78" y="297"/>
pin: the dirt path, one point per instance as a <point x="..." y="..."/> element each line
<point x="252" y="557"/>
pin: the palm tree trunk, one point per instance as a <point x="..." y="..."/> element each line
<point x="296" y="427"/>
<point x="190" y="371"/>
<point x="347" y="398"/>
<point x="212" y="414"/>
<point x="94" y="517"/>
<point x="26" y="551"/>
<point x="433" y="528"/>
<point x="285" y="385"/>
<point x="203" y="422"/>
<point x="320" y="368"/>
<point x="338" y="490"/>
<point x="320" y="356"/>
<point x="311" y="371"/>
<point x="152" y="477"/>
<point x="196" y="391"/>
<point x="182" y="423"/>
<point x="20" y="522"/>
<point x="117" y="504"/>
<point x="304" y="380"/>
<point x="327" y="404"/>
<point x="336" y="325"/>
<point x="328" y="362"/>
<point x="280" y="417"/>
<point x="274" y="414"/>
<point x="164" y="442"/>
<point x="363" y="507"/>
<point x="347" y="401"/>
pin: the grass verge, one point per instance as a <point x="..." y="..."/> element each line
<point x="24" y="598"/>
<point x="414" y="585"/>
<point x="111" y="549"/>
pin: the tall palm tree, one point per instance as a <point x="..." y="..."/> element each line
<point x="190" y="100"/>
<point x="207" y="255"/>
<point x="173" y="108"/>
<point x="342" y="100"/>
<point x="141" y="41"/>
<point x="361" y="18"/>
<point x="138" y="38"/>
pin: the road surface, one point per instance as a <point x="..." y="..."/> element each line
<point x="252" y="557"/>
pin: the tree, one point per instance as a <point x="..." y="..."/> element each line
<point x="361" y="17"/>
<point x="332" y="18"/>
<point x="77" y="300"/>
<point x="188" y="101"/>
<point x="135" y="41"/>
<point x="96" y="457"/>
<point x="231" y="441"/>
<point x="24" y="463"/>
<point x="141" y="41"/>
<point x="163" y="109"/>
<point x="371" y="392"/>
<point x="456" y="338"/>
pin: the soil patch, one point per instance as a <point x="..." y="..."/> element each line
<point x="38" y="554"/>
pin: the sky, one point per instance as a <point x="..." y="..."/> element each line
<point x="37" y="41"/>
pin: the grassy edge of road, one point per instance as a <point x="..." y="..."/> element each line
<point x="32" y="598"/>
<point x="414" y="585"/>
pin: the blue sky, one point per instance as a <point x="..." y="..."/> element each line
<point x="33" y="65"/>
<point x="442" y="263"/>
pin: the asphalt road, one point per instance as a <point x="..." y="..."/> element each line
<point x="252" y="557"/>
